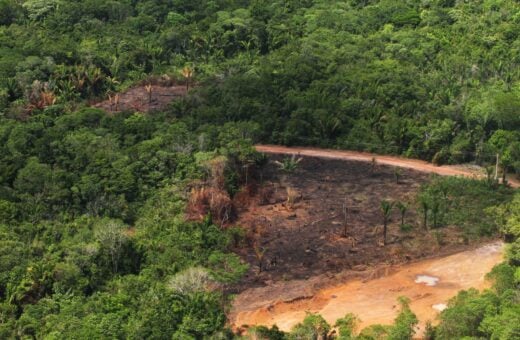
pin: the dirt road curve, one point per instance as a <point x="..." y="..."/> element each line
<point x="414" y="164"/>
<point x="429" y="284"/>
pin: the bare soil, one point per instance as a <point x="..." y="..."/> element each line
<point x="138" y="99"/>
<point x="373" y="301"/>
<point x="307" y="238"/>
<point x="297" y="222"/>
<point x="414" y="164"/>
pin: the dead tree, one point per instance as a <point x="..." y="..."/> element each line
<point x="116" y="102"/>
<point x="345" y="217"/>
<point x="259" y="254"/>
<point x="373" y="166"/>
<point x="149" y="89"/>
<point x="187" y="73"/>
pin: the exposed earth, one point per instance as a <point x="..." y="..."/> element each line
<point x="414" y="164"/>
<point x="139" y="99"/>
<point x="429" y="284"/>
<point x="295" y="231"/>
<point x="296" y="221"/>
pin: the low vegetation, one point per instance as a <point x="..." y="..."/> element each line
<point x="468" y="204"/>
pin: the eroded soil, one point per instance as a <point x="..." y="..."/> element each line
<point x="309" y="264"/>
<point x="373" y="301"/>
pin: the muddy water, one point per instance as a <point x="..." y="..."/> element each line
<point x="429" y="284"/>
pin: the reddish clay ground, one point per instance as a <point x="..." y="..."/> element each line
<point x="306" y="253"/>
<point x="374" y="301"/>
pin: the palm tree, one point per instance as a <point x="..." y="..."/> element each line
<point x="386" y="210"/>
<point x="403" y="207"/>
<point x="425" y="207"/>
<point x="436" y="207"/>
<point x="289" y="164"/>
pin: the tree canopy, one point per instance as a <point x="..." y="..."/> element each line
<point x="95" y="241"/>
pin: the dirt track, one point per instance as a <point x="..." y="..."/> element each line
<point x="373" y="297"/>
<point x="414" y="164"/>
<point x="374" y="301"/>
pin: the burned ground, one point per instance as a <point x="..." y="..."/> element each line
<point x="143" y="98"/>
<point x="305" y="237"/>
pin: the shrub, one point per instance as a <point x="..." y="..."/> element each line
<point x="191" y="280"/>
<point x="313" y="327"/>
<point x="406" y="228"/>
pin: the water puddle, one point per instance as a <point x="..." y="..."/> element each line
<point x="372" y="301"/>
<point x="427" y="280"/>
<point x="440" y="307"/>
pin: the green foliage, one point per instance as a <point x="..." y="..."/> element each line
<point x="465" y="313"/>
<point x="313" y="327"/>
<point x="386" y="210"/>
<point x="289" y="164"/>
<point x="226" y="268"/>
<point x="405" y="322"/>
<point x="264" y="333"/>
<point x="92" y="224"/>
<point x="369" y="75"/>
<point x="503" y="279"/>
<point x="494" y="313"/>
<point x="346" y="327"/>
<point x="466" y="203"/>
<point x="406" y="228"/>
<point x="374" y="332"/>
<point x="92" y="228"/>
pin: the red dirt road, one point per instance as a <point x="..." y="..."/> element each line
<point x="414" y="164"/>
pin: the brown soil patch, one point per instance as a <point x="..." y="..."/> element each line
<point x="138" y="99"/>
<point x="373" y="301"/>
<point x="307" y="253"/>
<point x="306" y="238"/>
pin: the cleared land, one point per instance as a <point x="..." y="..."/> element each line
<point x="311" y="262"/>
<point x="139" y="99"/>
<point x="296" y="221"/>
<point x="414" y="164"/>
<point x="374" y="301"/>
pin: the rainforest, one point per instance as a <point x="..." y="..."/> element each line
<point x="254" y="169"/>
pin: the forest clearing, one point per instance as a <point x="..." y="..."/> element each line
<point x="373" y="300"/>
<point x="471" y="171"/>
<point x="259" y="170"/>
<point x="143" y="98"/>
<point x="322" y="251"/>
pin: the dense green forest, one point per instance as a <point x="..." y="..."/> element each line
<point x="93" y="237"/>
<point x="435" y="79"/>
